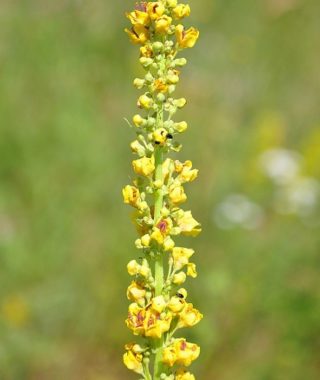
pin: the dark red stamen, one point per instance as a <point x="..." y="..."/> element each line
<point x="183" y="345"/>
<point x="162" y="225"/>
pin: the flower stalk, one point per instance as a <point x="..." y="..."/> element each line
<point x="159" y="305"/>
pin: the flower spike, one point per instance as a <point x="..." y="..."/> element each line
<point x="159" y="305"/>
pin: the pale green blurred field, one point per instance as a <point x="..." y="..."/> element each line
<point x="253" y="84"/>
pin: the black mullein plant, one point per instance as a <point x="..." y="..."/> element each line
<point x="159" y="305"/>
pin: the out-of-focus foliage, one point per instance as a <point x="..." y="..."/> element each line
<point x="253" y="86"/>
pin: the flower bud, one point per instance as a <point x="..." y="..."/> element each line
<point x="139" y="83"/>
<point x="161" y="97"/>
<point x="165" y="212"/>
<point x="180" y="62"/>
<point x="158" y="184"/>
<point x="145" y="101"/>
<point x="179" y="278"/>
<point x="145" y="62"/>
<point x="138" y="244"/>
<point x="157" y="46"/>
<point x="168" y="244"/>
<point x="145" y="240"/>
<point x="151" y="121"/>
<point x="138" y="120"/>
<point x="136" y="147"/>
<point x="180" y="103"/>
<point x="158" y="304"/>
<point x="172" y="78"/>
<point x="144" y="271"/>
<point x="171" y="88"/>
<point x="149" y="77"/>
<point x="133" y="267"/>
<point x="180" y="127"/>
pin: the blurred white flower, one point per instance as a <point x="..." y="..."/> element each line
<point x="237" y="209"/>
<point x="281" y="165"/>
<point x="300" y="196"/>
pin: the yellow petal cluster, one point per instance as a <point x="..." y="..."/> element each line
<point x="144" y="166"/>
<point x="148" y="322"/>
<point x="189" y="316"/>
<point x="180" y="352"/>
<point x="133" y="360"/>
<point x="131" y="195"/>
<point x="186" y="38"/>
<point x="138" y="34"/>
<point x="188" y="225"/>
<point x="181" y="11"/>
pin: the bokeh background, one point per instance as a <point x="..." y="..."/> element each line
<point x="253" y="86"/>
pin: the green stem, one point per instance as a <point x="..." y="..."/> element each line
<point x="159" y="270"/>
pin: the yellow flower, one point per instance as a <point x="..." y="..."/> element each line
<point x="158" y="304"/>
<point x="136" y="318"/>
<point x="192" y="271"/>
<point x="131" y="195"/>
<point x="181" y="11"/>
<point x="144" y="166"/>
<point x="162" y="24"/>
<point x="177" y="194"/>
<point x="146" y="51"/>
<point x="189" y="316"/>
<point x="181" y="257"/>
<point x="139" y="17"/>
<point x="160" y="86"/>
<point x="136" y="292"/>
<point x="188" y="225"/>
<point x="133" y="360"/>
<point x="180" y="352"/>
<point x="138" y="34"/>
<point x="186" y="38"/>
<point x="155" y="9"/>
<point x="186" y="173"/>
<point x="181" y="374"/>
<point x="160" y="137"/>
<point x="186" y="352"/>
<point x="155" y="324"/>
<point x="169" y="356"/>
<point x="145" y="101"/>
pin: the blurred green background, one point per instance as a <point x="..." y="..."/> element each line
<point x="253" y="86"/>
